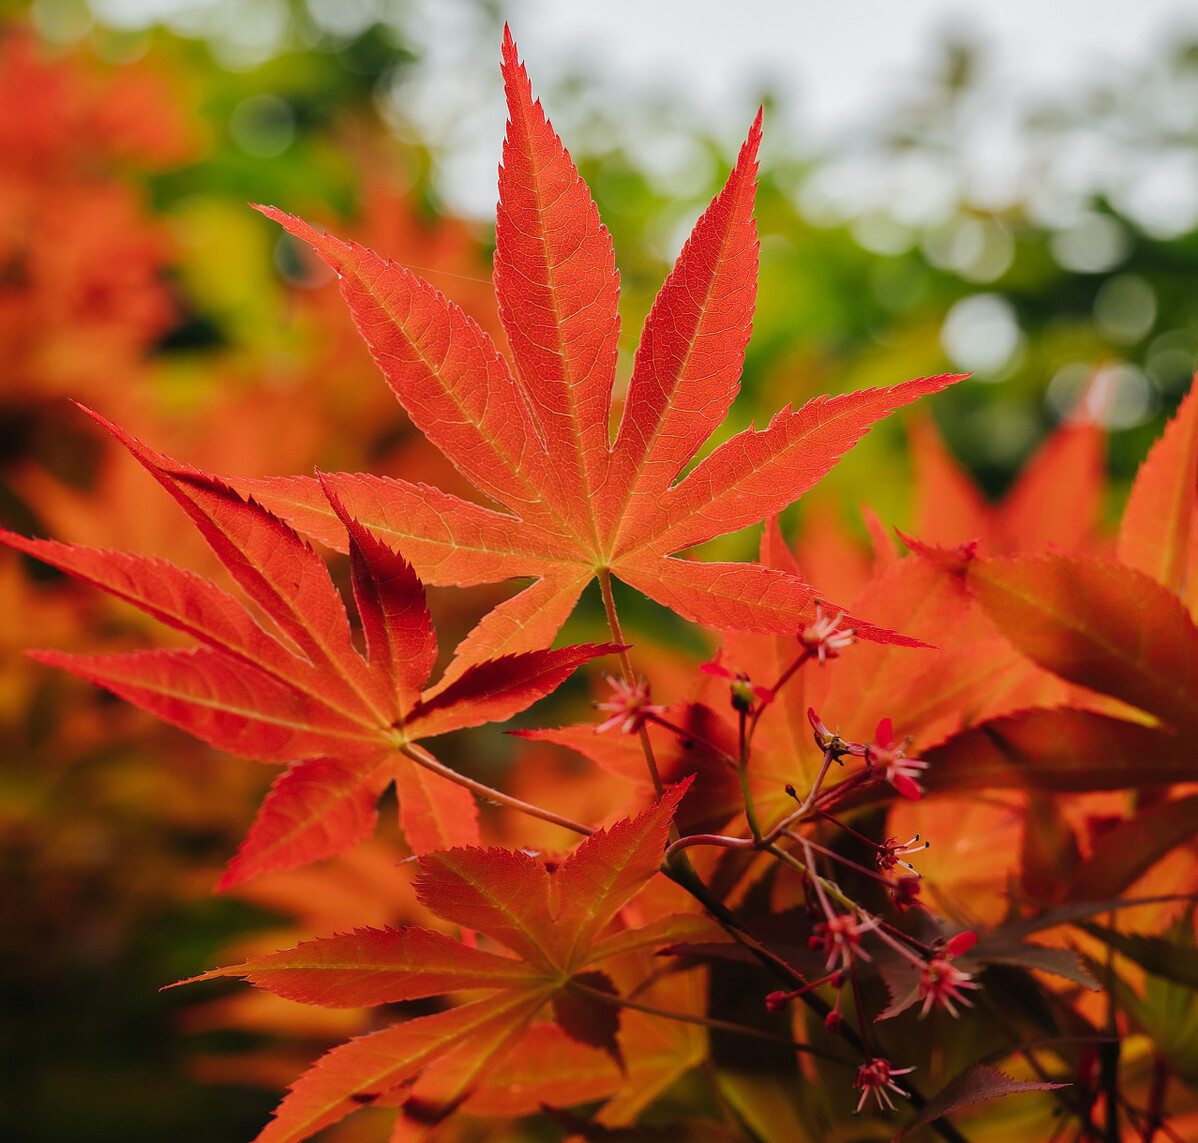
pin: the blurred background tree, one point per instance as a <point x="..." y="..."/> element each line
<point x="134" y="278"/>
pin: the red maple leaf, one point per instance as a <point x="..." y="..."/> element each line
<point x="533" y="436"/>
<point x="557" y="930"/>
<point x="347" y="724"/>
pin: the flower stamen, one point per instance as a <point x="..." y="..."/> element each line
<point x="823" y="638"/>
<point x="887" y="755"/>
<point x="876" y="1077"/>
<point x="630" y="706"/>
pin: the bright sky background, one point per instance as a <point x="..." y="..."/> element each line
<point x="839" y="57"/>
<point x="836" y="62"/>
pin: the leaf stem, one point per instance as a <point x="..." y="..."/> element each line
<point x="742" y="774"/>
<point x="717" y="839"/>
<point x="862" y="1023"/>
<point x="613" y="622"/>
<point x="422" y="757"/>
<point x="688" y="736"/>
<point x="706" y="1022"/>
<point x="808" y="802"/>
<point x="783" y="678"/>
<point x="802" y="657"/>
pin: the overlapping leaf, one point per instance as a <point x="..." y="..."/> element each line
<point x="304" y="696"/>
<point x="533" y="437"/>
<point x="1158" y="534"/>
<point x="553" y="926"/>
<point x="1115" y="627"/>
<point x="927" y="691"/>
<point x="1100" y="624"/>
<point x="1062" y="750"/>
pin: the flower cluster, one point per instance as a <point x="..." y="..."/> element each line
<point x="884" y="755"/>
<point x="846" y="936"/>
<point x="838" y="936"/>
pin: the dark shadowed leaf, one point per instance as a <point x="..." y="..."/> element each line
<point x="1127" y="850"/>
<point x="1060" y="750"/>
<point x="974" y="1085"/>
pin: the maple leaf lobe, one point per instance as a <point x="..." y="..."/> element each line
<point x="301" y="693"/>
<point x="535" y="438"/>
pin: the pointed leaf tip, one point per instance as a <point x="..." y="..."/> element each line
<point x="1157" y="532"/>
<point x="976" y="1084"/>
<point x="557" y="289"/>
<point x="316" y="808"/>
<point x="104" y="422"/>
<point x="954" y="560"/>
<point x="511" y="55"/>
<point x="754" y="138"/>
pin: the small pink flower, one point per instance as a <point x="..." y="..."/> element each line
<point x="892" y="851"/>
<point x="899" y="770"/>
<point x="905" y="893"/>
<point x="876" y="1077"/>
<point x="941" y="983"/>
<point x="744" y="693"/>
<point x="840" y="937"/>
<point x="822" y="636"/>
<point x="630" y="706"/>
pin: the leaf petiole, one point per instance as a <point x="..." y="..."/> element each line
<point x="706" y="1022"/>
<point x="808" y="802"/>
<point x="742" y="774"/>
<point x="613" y="621"/>
<point x="422" y="757"/>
